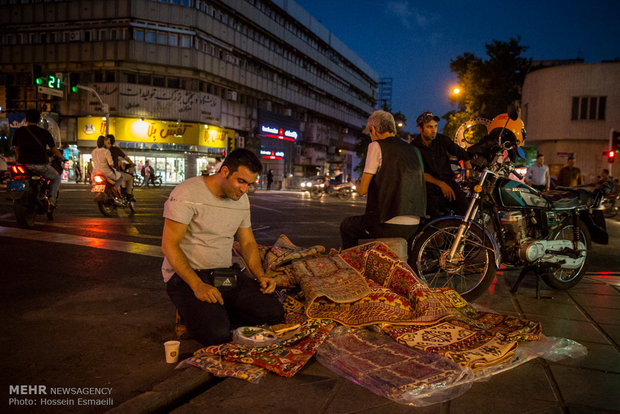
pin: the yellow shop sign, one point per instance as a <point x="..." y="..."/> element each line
<point x="153" y="131"/>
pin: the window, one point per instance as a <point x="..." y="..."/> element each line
<point x="173" y="40"/>
<point x="139" y="35"/>
<point x="588" y="108"/>
<point x="162" y="38"/>
<point x="144" y="79"/>
<point x="159" y="81"/>
<point x="128" y="77"/>
<point x="186" y="41"/>
<point x="174" y="83"/>
<point x="110" y="76"/>
<point x="150" y="37"/>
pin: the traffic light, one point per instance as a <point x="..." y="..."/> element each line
<point x="74" y="79"/>
<point x="611" y="156"/>
<point x="615" y="141"/>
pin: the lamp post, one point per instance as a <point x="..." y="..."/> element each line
<point x="104" y="106"/>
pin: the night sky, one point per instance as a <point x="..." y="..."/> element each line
<point x="413" y="41"/>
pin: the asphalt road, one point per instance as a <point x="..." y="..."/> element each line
<point x="83" y="301"/>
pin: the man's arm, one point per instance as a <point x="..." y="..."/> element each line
<point x="173" y="234"/>
<point x="57" y="153"/>
<point x="362" y="189"/>
<point x="446" y="190"/>
<point x="249" y="252"/>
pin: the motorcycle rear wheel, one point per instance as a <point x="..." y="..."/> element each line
<point x="106" y="209"/>
<point x="474" y="268"/>
<point x="563" y="279"/>
<point x="24" y="213"/>
<point x="316" y="193"/>
<point x="344" y="194"/>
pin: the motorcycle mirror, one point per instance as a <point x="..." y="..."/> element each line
<point x="521" y="152"/>
<point x="512" y="112"/>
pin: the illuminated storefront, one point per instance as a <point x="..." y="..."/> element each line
<point x="278" y="136"/>
<point x="176" y="150"/>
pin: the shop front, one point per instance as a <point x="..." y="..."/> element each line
<point x="176" y="150"/>
<point x="278" y="136"/>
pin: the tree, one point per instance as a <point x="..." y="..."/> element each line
<point x="487" y="86"/>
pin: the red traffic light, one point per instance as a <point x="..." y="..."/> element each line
<point x="611" y="156"/>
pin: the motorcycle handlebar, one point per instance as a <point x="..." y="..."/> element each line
<point x="516" y="174"/>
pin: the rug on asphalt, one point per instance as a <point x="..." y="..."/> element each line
<point x="285" y="358"/>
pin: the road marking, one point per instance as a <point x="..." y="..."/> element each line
<point x="106" y="244"/>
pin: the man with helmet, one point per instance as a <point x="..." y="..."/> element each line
<point x="441" y="189"/>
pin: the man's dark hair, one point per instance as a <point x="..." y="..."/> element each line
<point x="33" y="116"/>
<point x="540" y="155"/>
<point x="244" y="157"/>
<point x="100" y="140"/>
<point x="112" y="139"/>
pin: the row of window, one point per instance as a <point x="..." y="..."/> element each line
<point x="588" y="108"/>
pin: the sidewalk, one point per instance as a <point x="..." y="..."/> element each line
<point x="589" y="314"/>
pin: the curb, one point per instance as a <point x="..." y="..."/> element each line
<point x="167" y="395"/>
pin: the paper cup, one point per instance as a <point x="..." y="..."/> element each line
<point x="172" y="351"/>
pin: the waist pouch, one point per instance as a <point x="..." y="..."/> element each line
<point x="225" y="278"/>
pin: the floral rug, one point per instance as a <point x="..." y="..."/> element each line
<point x="285" y="358"/>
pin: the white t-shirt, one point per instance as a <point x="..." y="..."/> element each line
<point x="212" y="223"/>
<point x="372" y="166"/>
<point x="102" y="159"/>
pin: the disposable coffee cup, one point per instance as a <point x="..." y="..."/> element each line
<point x="172" y="351"/>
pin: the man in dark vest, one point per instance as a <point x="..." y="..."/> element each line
<point x="393" y="178"/>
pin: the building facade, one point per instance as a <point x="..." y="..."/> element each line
<point x="571" y="110"/>
<point x="180" y="82"/>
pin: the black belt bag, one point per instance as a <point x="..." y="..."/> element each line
<point x="225" y="278"/>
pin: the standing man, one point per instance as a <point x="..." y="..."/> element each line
<point x="441" y="189"/>
<point x="30" y="143"/>
<point x="570" y="176"/>
<point x="202" y="216"/>
<point x="538" y="174"/>
<point x="269" y="179"/>
<point x="393" y="178"/>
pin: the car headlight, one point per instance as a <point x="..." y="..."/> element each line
<point x="303" y="184"/>
<point x="321" y="185"/>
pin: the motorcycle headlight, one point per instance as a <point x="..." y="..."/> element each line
<point x="354" y="188"/>
<point x="303" y="185"/>
<point x="321" y="185"/>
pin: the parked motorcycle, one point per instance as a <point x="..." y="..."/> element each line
<point x="107" y="199"/>
<point x="29" y="192"/>
<point x="609" y="205"/>
<point x="509" y="222"/>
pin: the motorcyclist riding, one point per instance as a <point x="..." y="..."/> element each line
<point x="30" y="143"/>
<point x="103" y="164"/>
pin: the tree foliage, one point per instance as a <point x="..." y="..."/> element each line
<point x="487" y="86"/>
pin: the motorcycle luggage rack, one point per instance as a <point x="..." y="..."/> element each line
<point x="524" y="273"/>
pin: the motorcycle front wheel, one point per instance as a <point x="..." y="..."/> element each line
<point x="106" y="209"/>
<point x="316" y="193"/>
<point x="471" y="270"/>
<point x="561" y="278"/>
<point x="24" y="213"/>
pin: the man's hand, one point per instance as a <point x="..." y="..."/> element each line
<point x="208" y="293"/>
<point x="447" y="191"/>
<point x="267" y="284"/>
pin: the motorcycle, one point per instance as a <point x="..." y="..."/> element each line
<point x="29" y="192"/>
<point x="609" y="205"/>
<point x="508" y="222"/>
<point x="108" y="199"/>
<point x="343" y="191"/>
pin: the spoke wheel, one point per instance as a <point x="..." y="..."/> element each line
<point x="470" y="271"/>
<point x="561" y="278"/>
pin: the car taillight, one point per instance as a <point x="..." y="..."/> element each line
<point x="99" y="179"/>
<point x="18" y="169"/>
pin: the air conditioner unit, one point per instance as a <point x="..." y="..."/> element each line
<point x="231" y="95"/>
<point x="74" y="36"/>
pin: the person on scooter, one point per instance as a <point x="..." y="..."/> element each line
<point x="30" y="144"/>
<point x="441" y="189"/>
<point x="117" y="156"/>
<point x="103" y="163"/>
<point x="393" y="178"/>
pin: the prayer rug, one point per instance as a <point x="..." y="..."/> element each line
<point x="285" y="358"/>
<point x="389" y="369"/>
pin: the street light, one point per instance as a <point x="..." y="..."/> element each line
<point x="400" y="124"/>
<point x="105" y="107"/>
<point x="456" y="91"/>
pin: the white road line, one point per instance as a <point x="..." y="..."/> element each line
<point x="116" y="245"/>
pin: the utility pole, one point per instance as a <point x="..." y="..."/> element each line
<point x="105" y="107"/>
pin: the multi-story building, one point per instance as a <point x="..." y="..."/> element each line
<point x="572" y="109"/>
<point x="180" y="82"/>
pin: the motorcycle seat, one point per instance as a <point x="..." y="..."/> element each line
<point x="567" y="198"/>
